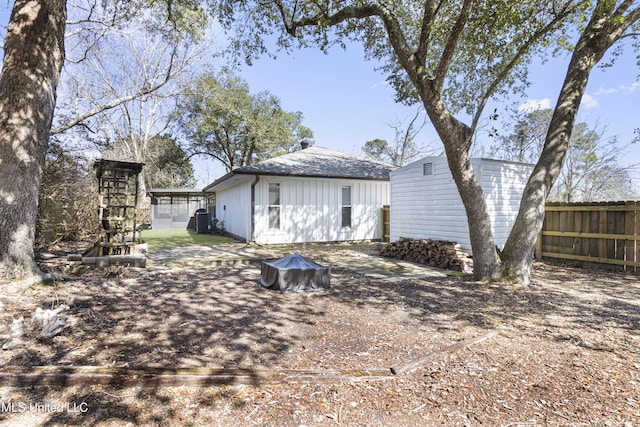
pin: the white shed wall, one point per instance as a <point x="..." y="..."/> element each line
<point x="429" y="206"/>
<point x="233" y="206"/>
<point x="503" y="184"/>
<point x="311" y="210"/>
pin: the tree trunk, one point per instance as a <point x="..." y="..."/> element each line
<point x="33" y="59"/>
<point x="485" y="259"/>
<point x="599" y="35"/>
<point x="456" y="137"/>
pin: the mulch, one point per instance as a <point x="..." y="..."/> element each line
<point x="563" y="351"/>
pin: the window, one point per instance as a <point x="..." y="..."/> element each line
<point x="164" y="207"/>
<point x="427" y="169"/>
<point x="346" y="206"/>
<point x="274" y="206"/>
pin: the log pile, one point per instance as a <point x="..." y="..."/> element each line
<point x="434" y="253"/>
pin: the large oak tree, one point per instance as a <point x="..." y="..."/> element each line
<point x="34" y="54"/>
<point x="609" y="22"/>
<point x="453" y="57"/>
<point x="33" y="58"/>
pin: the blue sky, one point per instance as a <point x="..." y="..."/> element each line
<point x="346" y="102"/>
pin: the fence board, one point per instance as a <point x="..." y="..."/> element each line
<point x="577" y="228"/>
<point x="594" y="227"/>
<point x="566" y="223"/>
<point x="610" y="228"/>
<point x="620" y="228"/>
<point x="632" y="226"/>
<point x="586" y="217"/>
<point x="603" y="233"/>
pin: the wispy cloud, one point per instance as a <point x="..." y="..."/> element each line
<point x="630" y="88"/>
<point x="605" y="91"/>
<point x="382" y="83"/>
<point x="624" y="89"/>
<point x="589" y="102"/>
<point x="535" y="104"/>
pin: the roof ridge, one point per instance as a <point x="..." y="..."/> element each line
<point x="312" y="149"/>
<point x="316" y="162"/>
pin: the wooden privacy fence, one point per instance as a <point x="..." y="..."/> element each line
<point x="605" y="233"/>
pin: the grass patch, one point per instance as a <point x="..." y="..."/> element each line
<point x="158" y="239"/>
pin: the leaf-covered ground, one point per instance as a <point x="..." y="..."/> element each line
<point x="564" y="351"/>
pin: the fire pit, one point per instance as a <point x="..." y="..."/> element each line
<point x="294" y="273"/>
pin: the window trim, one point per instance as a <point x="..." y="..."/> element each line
<point x="274" y="207"/>
<point x="346" y="208"/>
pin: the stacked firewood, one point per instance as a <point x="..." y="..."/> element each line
<point x="434" y="253"/>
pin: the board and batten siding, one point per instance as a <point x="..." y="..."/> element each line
<point x="429" y="206"/>
<point x="311" y="210"/>
<point x="233" y="206"/>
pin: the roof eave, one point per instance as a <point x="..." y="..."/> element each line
<point x="218" y="181"/>
<point x="303" y="175"/>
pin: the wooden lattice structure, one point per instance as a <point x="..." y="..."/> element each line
<point x="118" y="233"/>
<point x="118" y="195"/>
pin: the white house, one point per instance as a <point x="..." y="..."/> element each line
<point x="311" y="195"/>
<point x="425" y="203"/>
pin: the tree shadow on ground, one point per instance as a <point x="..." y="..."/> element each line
<point x="204" y="317"/>
<point x="590" y="303"/>
<point x="218" y="317"/>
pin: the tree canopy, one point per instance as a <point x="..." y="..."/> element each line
<point x="454" y="57"/>
<point x="221" y="119"/>
<point x="167" y="165"/>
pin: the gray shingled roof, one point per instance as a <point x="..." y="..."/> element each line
<point x="311" y="162"/>
<point x="320" y="162"/>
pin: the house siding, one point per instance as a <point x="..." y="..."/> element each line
<point x="311" y="210"/>
<point x="429" y="206"/>
<point x="233" y="206"/>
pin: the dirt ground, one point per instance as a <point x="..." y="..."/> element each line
<point x="563" y="351"/>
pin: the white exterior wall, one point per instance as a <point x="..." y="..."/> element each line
<point x="233" y="206"/>
<point x="503" y="184"/>
<point x="311" y="210"/>
<point x="429" y="207"/>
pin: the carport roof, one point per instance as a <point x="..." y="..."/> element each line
<point x="313" y="162"/>
<point x="161" y="192"/>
